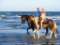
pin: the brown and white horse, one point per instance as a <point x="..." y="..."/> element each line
<point x="34" y="23"/>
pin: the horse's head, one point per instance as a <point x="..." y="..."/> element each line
<point x="23" y="19"/>
<point x="26" y="18"/>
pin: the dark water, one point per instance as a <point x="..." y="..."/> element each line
<point x="13" y="13"/>
<point x="12" y="32"/>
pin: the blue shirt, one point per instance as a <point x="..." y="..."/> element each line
<point x="37" y="13"/>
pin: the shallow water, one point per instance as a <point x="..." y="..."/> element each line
<point x="12" y="32"/>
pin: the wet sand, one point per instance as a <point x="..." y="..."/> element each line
<point x="14" y="38"/>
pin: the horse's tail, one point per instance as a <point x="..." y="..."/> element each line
<point x="56" y="27"/>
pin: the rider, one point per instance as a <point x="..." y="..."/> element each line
<point x="37" y="12"/>
<point x="43" y="15"/>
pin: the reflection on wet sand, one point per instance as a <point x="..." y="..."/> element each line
<point x="24" y="39"/>
<point x="43" y="41"/>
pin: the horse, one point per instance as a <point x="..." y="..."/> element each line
<point x="50" y="24"/>
<point x="32" y="23"/>
<point x="35" y="24"/>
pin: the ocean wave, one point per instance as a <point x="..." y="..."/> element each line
<point x="53" y="17"/>
<point x="49" y="17"/>
<point x="16" y="16"/>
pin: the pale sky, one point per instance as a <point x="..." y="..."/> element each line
<point x="29" y="5"/>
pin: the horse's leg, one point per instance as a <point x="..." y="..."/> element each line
<point x="34" y="34"/>
<point x="46" y="31"/>
<point x="29" y="26"/>
<point x="38" y="34"/>
<point x="53" y="34"/>
<point x="55" y="30"/>
<point x="27" y="30"/>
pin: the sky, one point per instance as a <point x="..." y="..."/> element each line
<point x="29" y="5"/>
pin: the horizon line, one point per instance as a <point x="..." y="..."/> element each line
<point x="28" y="11"/>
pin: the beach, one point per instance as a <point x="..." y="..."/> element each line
<point x="12" y="32"/>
